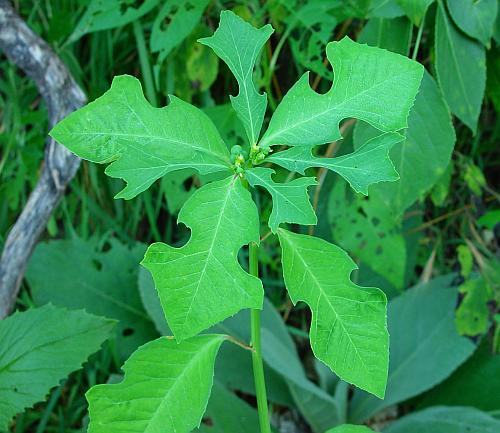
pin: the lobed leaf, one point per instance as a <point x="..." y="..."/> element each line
<point x="365" y="166"/>
<point x="290" y="199"/>
<point x="238" y="44"/>
<point x="142" y="143"/>
<point x="38" y="348"/>
<point x="166" y="388"/>
<point x="182" y="17"/>
<point x="202" y="283"/>
<point x="370" y="84"/>
<point x="348" y="330"/>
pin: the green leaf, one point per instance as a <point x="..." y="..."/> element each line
<point x="475" y="383"/>
<point x="424" y="156"/>
<point x="367" y="165"/>
<point x="166" y="388"/>
<point x="241" y="417"/>
<point x="447" y="420"/>
<point x="77" y="274"/>
<point x="473" y="312"/>
<point x="460" y="68"/>
<point x="425" y="346"/>
<point x="348" y="330"/>
<point x="476" y="18"/>
<point x="202" y="282"/>
<point x="182" y="17"/>
<point x="109" y="14"/>
<point x="350" y="428"/>
<point x="38" y="348"/>
<point x="370" y="84"/>
<point x="391" y="34"/>
<point x="385" y="9"/>
<point x="238" y="44"/>
<point x="142" y="143"/>
<point x="367" y="229"/>
<point x="415" y="9"/>
<point x="290" y="199"/>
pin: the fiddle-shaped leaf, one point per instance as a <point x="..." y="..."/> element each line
<point x="166" y="388"/>
<point x="202" y="283"/>
<point x="38" y="348"/>
<point x="290" y="199"/>
<point x="370" y="84"/>
<point x="238" y="44"/>
<point x="348" y="330"/>
<point x="142" y="143"/>
<point x="367" y="165"/>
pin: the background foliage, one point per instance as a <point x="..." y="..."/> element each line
<point x="429" y="240"/>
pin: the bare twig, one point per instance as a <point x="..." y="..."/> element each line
<point x="62" y="96"/>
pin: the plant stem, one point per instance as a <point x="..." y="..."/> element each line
<point x="145" y="65"/>
<point x="258" y="367"/>
<point x="419" y="38"/>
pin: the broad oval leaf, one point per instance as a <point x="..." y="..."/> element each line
<point x="202" y="283"/>
<point x="142" y="143"/>
<point x="370" y="84"/>
<point x="348" y="330"/>
<point x="238" y="44"/>
<point x="424" y="156"/>
<point x="460" y="69"/>
<point x="446" y="420"/>
<point x="38" y="348"/>
<point x="365" y="166"/>
<point x="77" y="274"/>
<point x="414" y="9"/>
<point x="290" y="199"/>
<point x="425" y="346"/>
<point x="476" y="18"/>
<point x="166" y="388"/>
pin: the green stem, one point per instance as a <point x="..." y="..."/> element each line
<point x="419" y="38"/>
<point x="258" y="367"/>
<point x="145" y="66"/>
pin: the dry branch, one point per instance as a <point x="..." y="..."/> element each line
<point x="62" y="96"/>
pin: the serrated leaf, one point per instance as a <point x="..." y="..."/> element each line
<point x="77" y="274"/>
<point x="142" y="143"/>
<point x="365" y="166"/>
<point x="166" y="388"/>
<point x="370" y="84"/>
<point x="447" y="420"/>
<point x="290" y="199"/>
<point x="425" y="346"/>
<point x="38" y="348"/>
<point x="348" y="330"/>
<point x="109" y="14"/>
<point x="415" y="9"/>
<point x="424" y="156"/>
<point x="350" y="428"/>
<point x="460" y="69"/>
<point x="238" y="44"/>
<point x="182" y="17"/>
<point x="476" y="18"/>
<point x="202" y="283"/>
